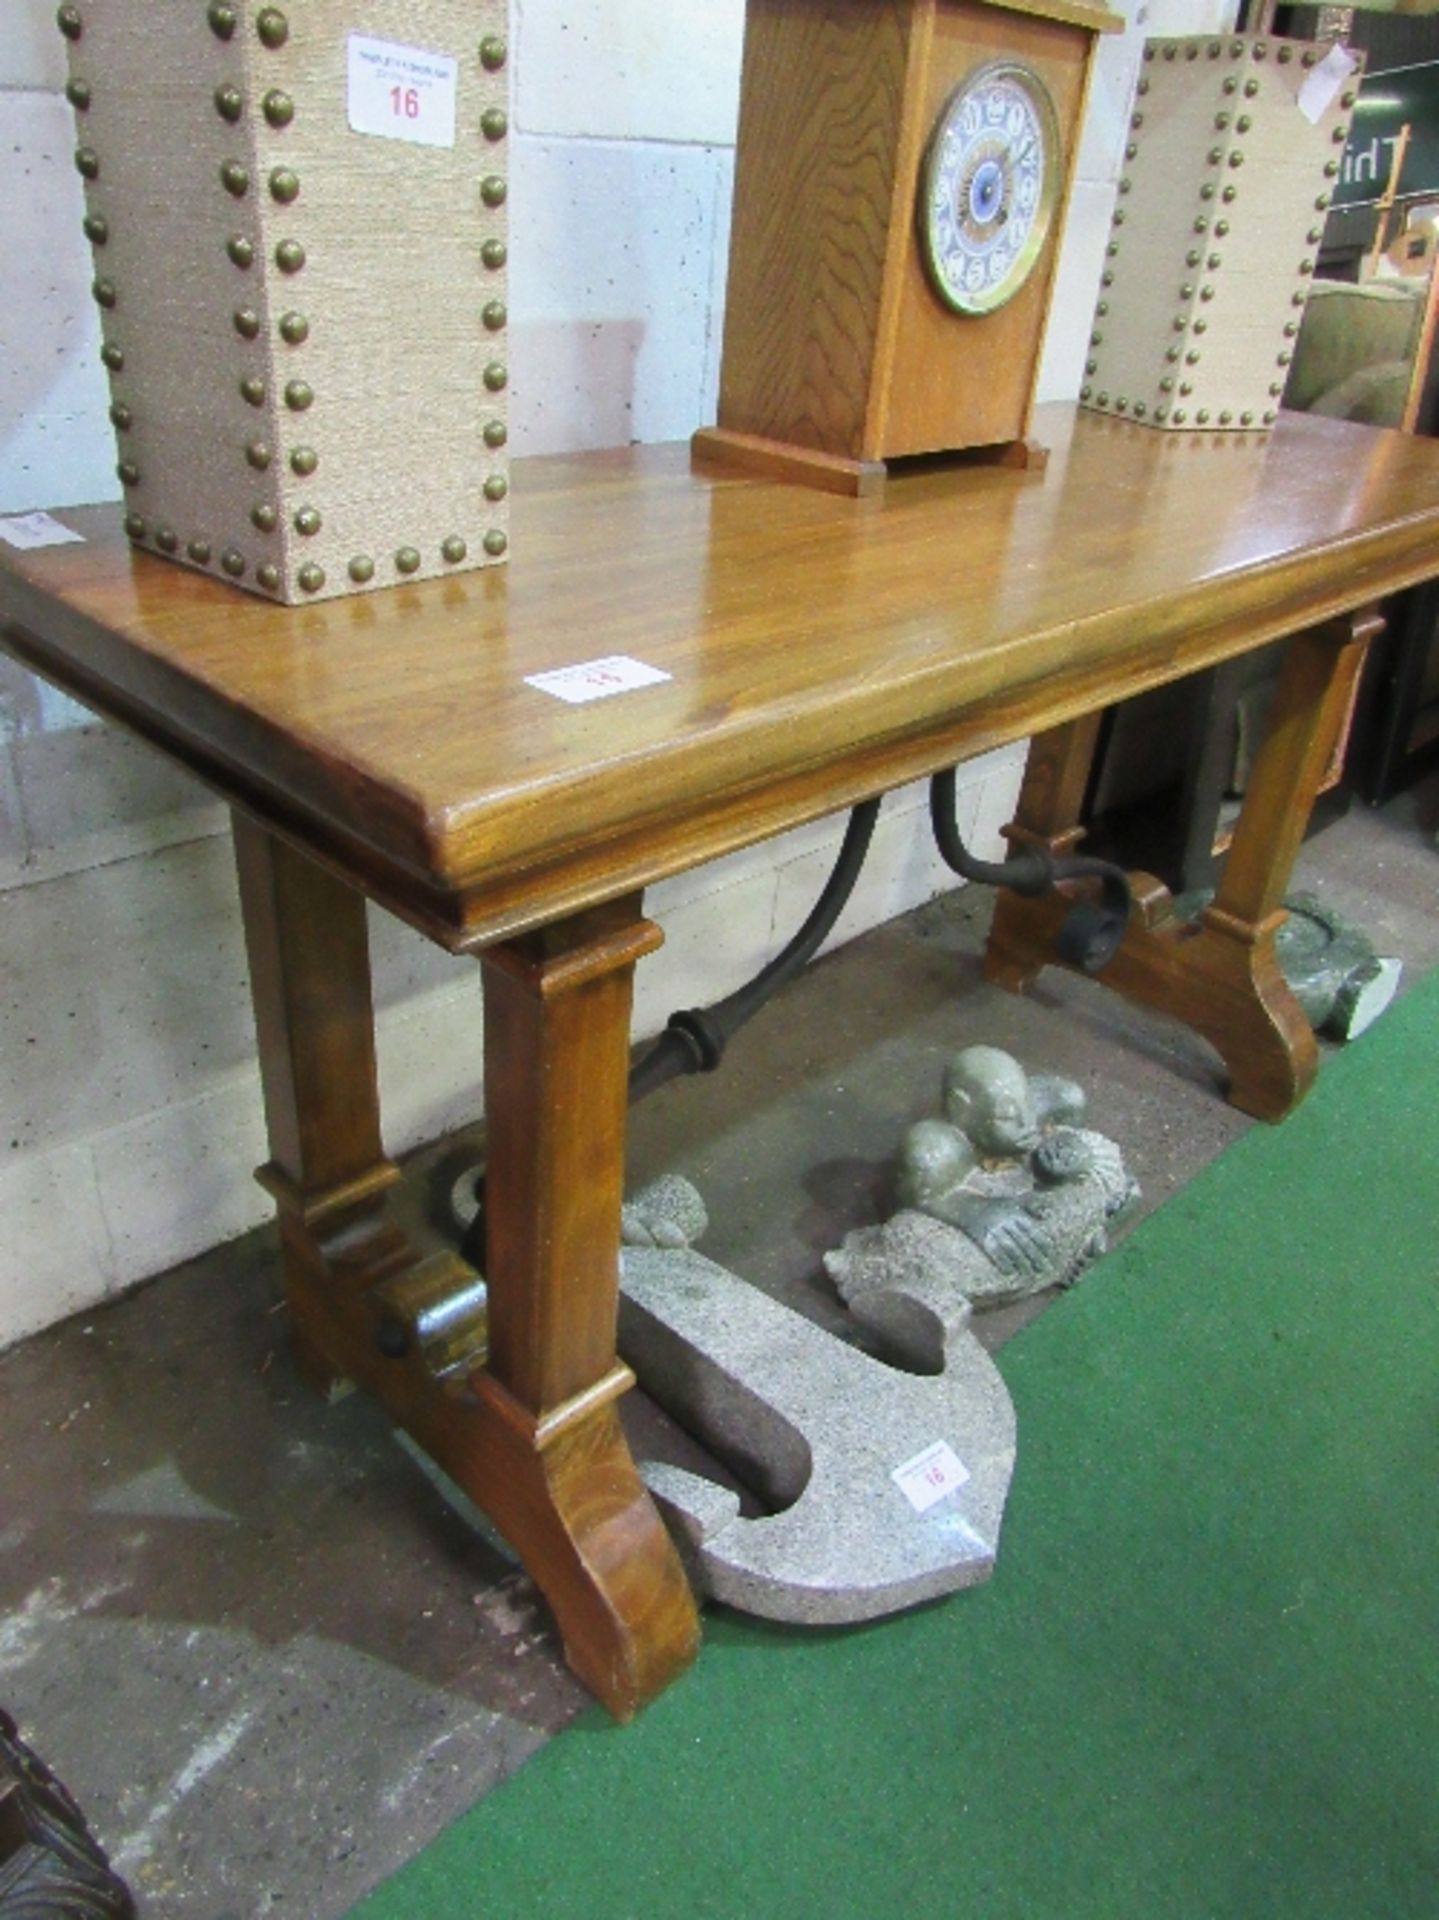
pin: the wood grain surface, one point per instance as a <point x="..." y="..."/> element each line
<point x="820" y="649"/>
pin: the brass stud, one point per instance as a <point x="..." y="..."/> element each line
<point x="1231" y="85"/>
<point x="233" y="561"/>
<point x="1236" y="49"/>
<point x="1201" y="325"/>
<point x="229" y="103"/>
<point x="493" y="315"/>
<point x="252" y="388"/>
<point x="272" y="27"/>
<point x="1314" y="236"/>
<point x="1180" y="323"/>
<point x="1148" y="54"/>
<point x="1202" y="417"/>
<point x="1131" y="148"/>
<point x="1112" y="248"/>
<point x="1251" y="87"/>
<point x="1221" y="121"/>
<point x="495" y="543"/>
<point x="1276" y="388"/>
<point x="494" y="123"/>
<point x="1221" y="229"/>
<point x="1339" y="136"/>
<point x="167" y="540"/>
<point x="1214" y="262"/>
<point x="496" y="487"/>
<point x="496" y="433"/>
<point x="1096" y="339"/>
<point x="87" y="163"/>
<point x="299" y="395"/>
<point x="96" y="229"/>
<point x="1192" y="358"/>
<point x="113" y="357"/>
<point x="1283" y="357"/>
<point x="1347" y="100"/>
<point x="199" y="552"/>
<point x="1191" y="52"/>
<point x="294" y="329"/>
<point x="1140" y="409"/>
<point x="1243" y="123"/>
<point x="1206" y="293"/>
<point x="222" y="22"/>
<point x="493" y="190"/>
<point x="1261" y="50"/>
<point x="68" y="20"/>
<point x="407" y="560"/>
<point x="1161" y="414"/>
<point x="362" y="569"/>
<point x="1169" y="52"/>
<point x="289" y="256"/>
<point x="494" y="253"/>
<point x="1091" y="366"/>
<point x="1226" y="418"/>
<point x="1246" y="419"/>
<point x="1206" y="192"/>
<point x="1171" y="353"/>
<point x="1106" y="279"/>
<point x="278" y="108"/>
<point x="1215" y="49"/>
<point x="1229" y="195"/>
<point x="454" y="550"/>
<point x="1309" y="58"/>
<point x="307" y="522"/>
<point x="268" y="576"/>
<point x="1270" y="416"/>
<point x="495" y="376"/>
<point x="1085" y="392"/>
<point x="1117" y="217"/>
<point x="1102" y="398"/>
<point x="1306" y="266"/>
<point x="1186" y="291"/>
<point x="264" y="518"/>
<point x="284" y="185"/>
<point x="247" y="323"/>
<point x="493" y="53"/>
<point x="304" y="461"/>
<point x="121" y="418"/>
<point x="235" y="179"/>
<point x="241" y="251"/>
<point x="1298" y="297"/>
<point x="77" y="92"/>
<point x="1193" y="258"/>
<point x="135" y="526"/>
<point x="1166" y="385"/>
<point x="105" y="294"/>
<point x="1126" y="185"/>
<point x="1178" y="416"/>
<point x="258" y="455"/>
<point x="1186" y="387"/>
<point x="1321" y="205"/>
<point x="1285" y="55"/>
<point x="1236" y="159"/>
<point x="1216" y="154"/>
<point x="1136" y="121"/>
<point x="311" y="577"/>
<point x="1201" y="225"/>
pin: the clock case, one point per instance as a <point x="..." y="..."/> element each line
<point x="839" y="354"/>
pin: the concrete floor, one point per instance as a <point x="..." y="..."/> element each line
<point x="254" y="1634"/>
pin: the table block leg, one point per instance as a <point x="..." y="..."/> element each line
<point x="530" y="1432"/>
<point x="1219" y="975"/>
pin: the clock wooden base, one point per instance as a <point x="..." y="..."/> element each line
<point x="767" y="459"/>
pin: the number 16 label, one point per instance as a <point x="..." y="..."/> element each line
<point x="402" y="93"/>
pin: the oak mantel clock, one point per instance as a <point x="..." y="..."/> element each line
<point x="901" y="177"/>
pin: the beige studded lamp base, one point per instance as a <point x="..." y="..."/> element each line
<point x="1234" y="147"/>
<point x="299" y="229"/>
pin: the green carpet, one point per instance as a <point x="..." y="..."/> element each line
<point x="1204" y="1680"/>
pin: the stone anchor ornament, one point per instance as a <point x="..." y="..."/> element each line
<point x="885" y="1489"/>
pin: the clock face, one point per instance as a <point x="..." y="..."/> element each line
<point x="989" y="187"/>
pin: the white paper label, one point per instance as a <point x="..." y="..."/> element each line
<point x="402" y="93"/>
<point x="36" y="530"/>
<point x="930" y="1476"/>
<point x="596" y="679"/>
<point x="1321" y="84"/>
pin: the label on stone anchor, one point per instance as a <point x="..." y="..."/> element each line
<point x="930" y="1475"/>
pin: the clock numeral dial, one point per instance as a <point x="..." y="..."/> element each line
<point x="990" y="182"/>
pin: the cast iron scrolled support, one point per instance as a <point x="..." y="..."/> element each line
<point x="694" y="1040"/>
<point x="1092" y="929"/>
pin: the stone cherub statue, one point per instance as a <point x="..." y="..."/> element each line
<point x="1005" y="1195"/>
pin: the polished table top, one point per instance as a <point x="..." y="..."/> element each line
<point x="820" y="649"/>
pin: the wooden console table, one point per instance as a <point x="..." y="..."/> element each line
<point x="820" y="651"/>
